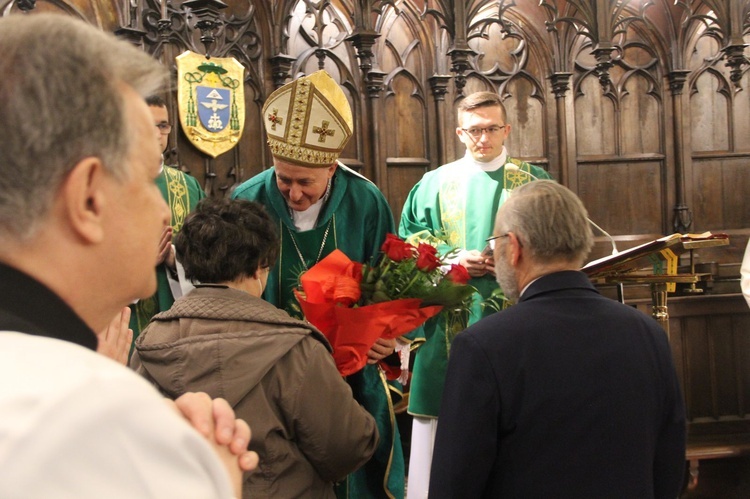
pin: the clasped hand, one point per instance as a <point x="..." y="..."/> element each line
<point x="478" y="264"/>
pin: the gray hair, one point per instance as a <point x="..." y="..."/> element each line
<point x="61" y="101"/>
<point x="550" y="221"/>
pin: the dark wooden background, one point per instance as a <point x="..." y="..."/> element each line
<point x="633" y="105"/>
<point x="642" y="107"/>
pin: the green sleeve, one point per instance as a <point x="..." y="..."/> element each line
<point x="420" y="217"/>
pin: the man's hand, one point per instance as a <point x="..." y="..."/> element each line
<point x="380" y="350"/>
<point x="215" y="420"/>
<point x="476" y="263"/>
<point x="115" y="340"/>
<point x="166" y="253"/>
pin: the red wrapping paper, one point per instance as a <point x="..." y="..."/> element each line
<point x="353" y="331"/>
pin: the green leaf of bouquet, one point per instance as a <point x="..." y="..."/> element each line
<point x="449" y="296"/>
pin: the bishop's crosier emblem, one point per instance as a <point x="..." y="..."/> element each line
<point x="211" y="100"/>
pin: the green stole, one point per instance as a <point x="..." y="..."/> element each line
<point x="181" y="193"/>
<point x="298" y="252"/>
<point x="463" y="202"/>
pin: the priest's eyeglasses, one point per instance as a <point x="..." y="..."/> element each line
<point x="477" y="132"/>
<point x="164" y="128"/>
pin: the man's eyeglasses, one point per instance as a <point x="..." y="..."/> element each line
<point x="491" y="241"/>
<point x="490" y="247"/>
<point x="477" y="132"/>
<point x="164" y="128"/>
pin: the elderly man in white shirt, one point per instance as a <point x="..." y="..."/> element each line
<point x="80" y="223"/>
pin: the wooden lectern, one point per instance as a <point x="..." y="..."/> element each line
<point x="655" y="263"/>
<point x="714" y="380"/>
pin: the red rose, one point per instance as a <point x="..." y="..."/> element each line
<point x="427" y="259"/>
<point x="458" y="274"/>
<point x="355" y="272"/>
<point x="427" y="248"/>
<point x="397" y="249"/>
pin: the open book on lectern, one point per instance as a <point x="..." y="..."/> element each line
<point x="660" y="256"/>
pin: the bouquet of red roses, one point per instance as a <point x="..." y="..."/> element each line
<point x="354" y="304"/>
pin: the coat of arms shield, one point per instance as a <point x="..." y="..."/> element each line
<point x="211" y="101"/>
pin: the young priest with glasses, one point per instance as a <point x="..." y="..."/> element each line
<point x="454" y="207"/>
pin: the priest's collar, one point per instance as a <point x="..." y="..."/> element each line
<point x="490" y="166"/>
<point x="27" y="306"/>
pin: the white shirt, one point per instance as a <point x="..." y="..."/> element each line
<point x="745" y="274"/>
<point x="470" y="164"/>
<point x="74" y="424"/>
<point x="305" y="220"/>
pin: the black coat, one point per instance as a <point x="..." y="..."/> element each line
<point x="567" y="394"/>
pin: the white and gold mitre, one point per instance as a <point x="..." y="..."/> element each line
<point x="308" y="121"/>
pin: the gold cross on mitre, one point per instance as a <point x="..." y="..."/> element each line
<point x="274" y="118"/>
<point x="323" y="131"/>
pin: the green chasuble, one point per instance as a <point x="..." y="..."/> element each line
<point x="355" y="220"/>
<point x="181" y="192"/>
<point x="457" y="202"/>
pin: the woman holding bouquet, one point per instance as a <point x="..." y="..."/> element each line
<point x="277" y="372"/>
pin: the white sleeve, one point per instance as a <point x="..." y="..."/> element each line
<point x="454" y="260"/>
<point x="110" y="435"/>
<point x="180" y="286"/>
<point x="745" y="274"/>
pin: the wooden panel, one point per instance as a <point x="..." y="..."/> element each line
<point x="724" y="366"/>
<point x="721" y="198"/>
<point x="526" y="116"/>
<point x="252" y="155"/>
<point x="405" y="117"/>
<point x="638" y="106"/>
<point x="741" y="107"/>
<point x="697" y="378"/>
<point x="621" y="146"/>
<point x="741" y="343"/>
<point x="710" y="338"/>
<point x="594" y="120"/>
<point x="606" y="190"/>
<point x="708" y="108"/>
<point x="403" y="174"/>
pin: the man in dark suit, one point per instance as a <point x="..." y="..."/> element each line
<point x="566" y="393"/>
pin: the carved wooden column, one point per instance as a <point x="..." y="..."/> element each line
<point x="280" y="66"/>
<point x="129" y="31"/>
<point x="208" y="19"/>
<point x="363" y="40"/>
<point x="439" y="86"/>
<point x="460" y="53"/>
<point x="736" y="59"/>
<point x="560" y="85"/>
<point x="682" y="218"/>
<point x="374" y="82"/>
<point x="734" y="51"/>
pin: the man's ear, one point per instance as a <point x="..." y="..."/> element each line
<point x="332" y="169"/>
<point x="84" y="198"/>
<point x="515" y="248"/>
